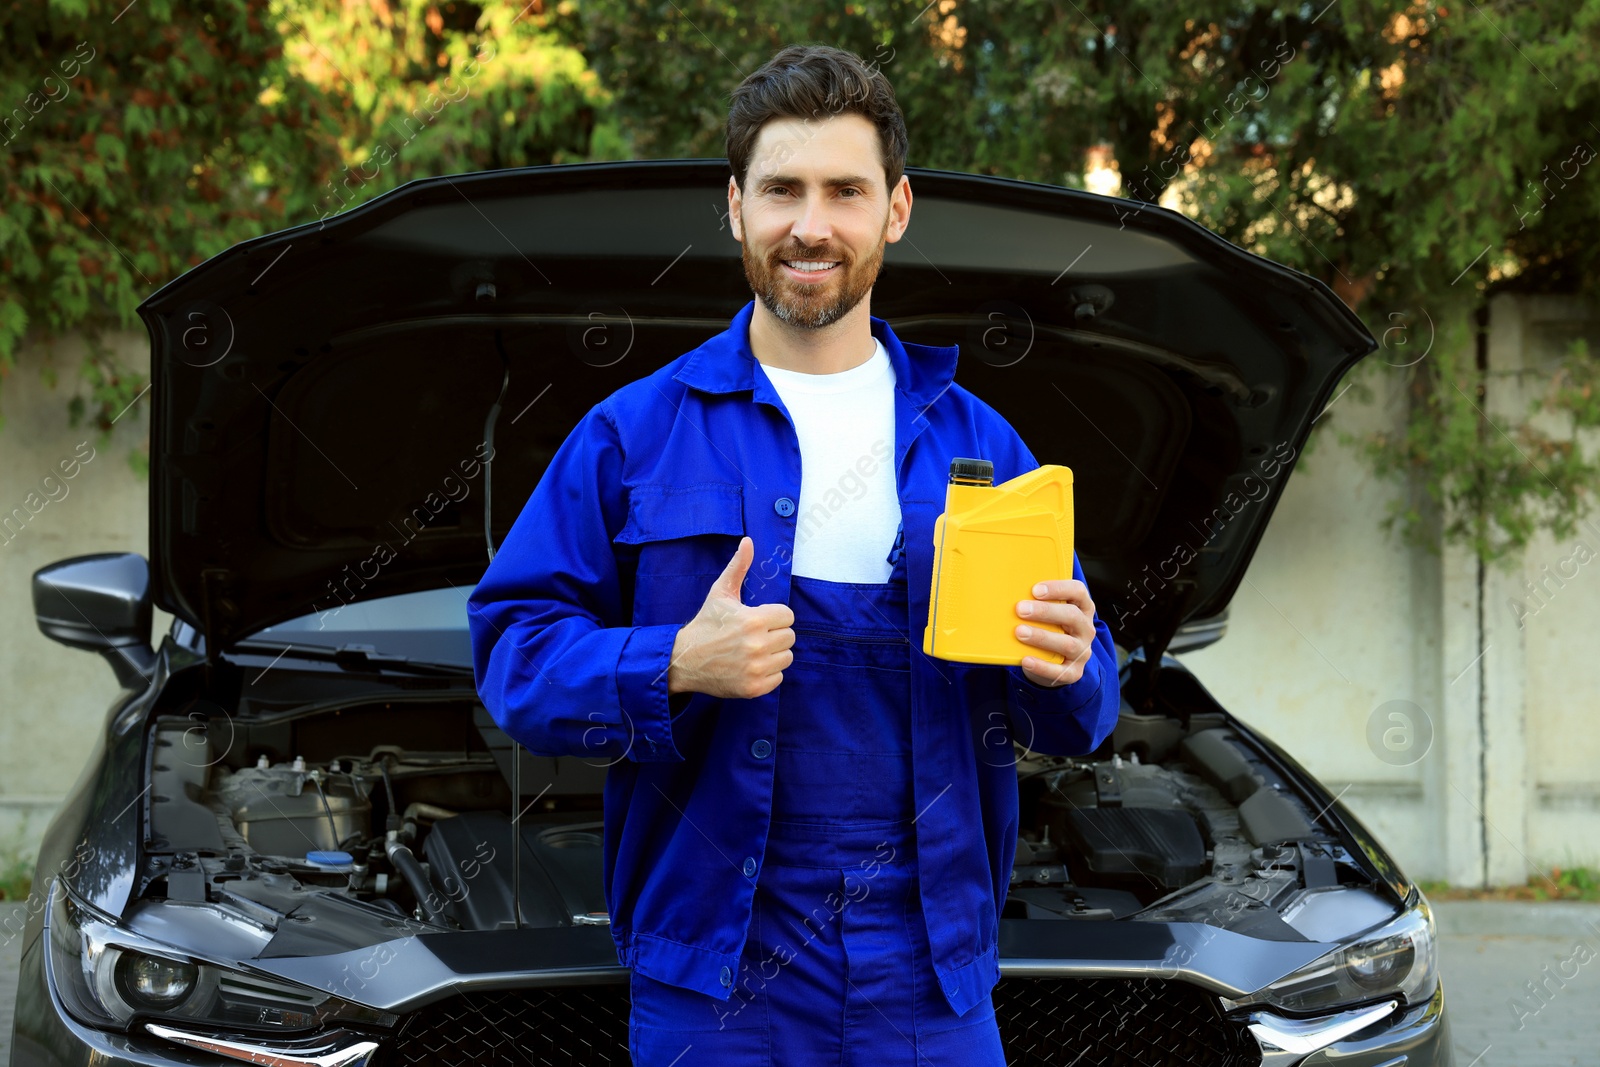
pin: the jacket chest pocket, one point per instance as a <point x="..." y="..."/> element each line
<point x="685" y="536"/>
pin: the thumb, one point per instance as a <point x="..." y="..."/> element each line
<point x="731" y="579"/>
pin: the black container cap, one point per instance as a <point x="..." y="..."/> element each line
<point x="971" y="470"/>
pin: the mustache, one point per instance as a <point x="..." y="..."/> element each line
<point x="808" y="254"/>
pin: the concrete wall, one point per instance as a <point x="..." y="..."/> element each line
<point x="56" y="697"/>
<point x="1541" y="617"/>
<point x="1337" y="625"/>
<point x="1422" y="689"/>
<point x="1450" y="707"/>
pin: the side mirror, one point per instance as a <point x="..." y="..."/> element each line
<point x="100" y="603"/>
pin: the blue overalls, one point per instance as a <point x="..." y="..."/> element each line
<point x="836" y="967"/>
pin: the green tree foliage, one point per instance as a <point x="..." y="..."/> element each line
<point x="442" y="88"/>
<point x="1415" y="158"/>
<point x="1412" y="157"/>
<point x="134" y="148"/>
<point x="143" y="138"/>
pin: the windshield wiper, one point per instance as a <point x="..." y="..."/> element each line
<point x="355" y="657"/>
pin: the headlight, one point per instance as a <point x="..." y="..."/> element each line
<point x="151" y="982"/>
<point x="108" y="976"/>
<point x="1397" y="957"/>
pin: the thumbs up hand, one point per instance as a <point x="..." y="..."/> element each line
<point x="729" y="649"/>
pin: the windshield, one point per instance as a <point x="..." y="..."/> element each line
<point x="430" y="626"/>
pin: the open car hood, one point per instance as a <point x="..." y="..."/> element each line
<point x="322" y="396"/>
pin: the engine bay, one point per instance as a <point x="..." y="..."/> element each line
<point x="1172" y="819"/>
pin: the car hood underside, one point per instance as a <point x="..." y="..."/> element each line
<point x="324" y="397"/>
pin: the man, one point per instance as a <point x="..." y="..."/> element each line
<point x="809" y="824"/>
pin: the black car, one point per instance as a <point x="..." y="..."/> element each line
<point x="301" y="840"/>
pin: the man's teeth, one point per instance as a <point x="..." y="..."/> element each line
<point x="811" y="265"/>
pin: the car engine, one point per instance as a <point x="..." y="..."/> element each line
<point x="1171" y="819"/>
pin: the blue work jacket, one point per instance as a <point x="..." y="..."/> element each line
<point x="574" y="620"/>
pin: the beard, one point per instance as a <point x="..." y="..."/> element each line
<point x="816" y="305"/>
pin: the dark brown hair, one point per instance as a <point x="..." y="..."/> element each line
<point x="815" y="82"/>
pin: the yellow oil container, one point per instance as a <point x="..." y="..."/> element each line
<point x="990" y="547"/>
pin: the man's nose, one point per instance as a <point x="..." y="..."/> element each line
<point x="812" y="227"/>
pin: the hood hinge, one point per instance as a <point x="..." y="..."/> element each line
<point x="215" y="583"/>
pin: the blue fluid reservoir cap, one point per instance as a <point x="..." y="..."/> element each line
<point x="329" y="858"/>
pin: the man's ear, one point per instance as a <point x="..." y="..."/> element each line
<point x="734" y="207"/>
<point x="899" y="209"/>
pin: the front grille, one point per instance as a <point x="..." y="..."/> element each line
<point x="1117" y="1022"/>
<point x="1044" y="1022"/>
<point x="569" y="1026"/>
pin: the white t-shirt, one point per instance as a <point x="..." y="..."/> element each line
<point x="849" y="507"/>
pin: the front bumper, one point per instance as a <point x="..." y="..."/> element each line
<point x="47" y="1037"/>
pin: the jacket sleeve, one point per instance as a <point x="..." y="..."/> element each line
<point x="1072" y="719"/>
<point x="552" y="663"/>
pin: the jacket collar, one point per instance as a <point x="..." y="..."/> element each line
<point x="725" y="363"/>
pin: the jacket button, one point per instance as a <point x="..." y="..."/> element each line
<point x="726" y="977"/>
<point x="783" y="506"/>
<point x="749" y="866"/>
<point x="761" y="748"/>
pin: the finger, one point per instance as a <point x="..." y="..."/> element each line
<point x="1071" y="591"/>
<point x="1069" y="617"/>
<point x="731" y="579"/>
<point x="1063" y="644"/>
<point x="1068" y="590"/>
<point x="1076" y="636"/>
<point x="775" y="616"/>
<point x="1074" y="662"/>
<point x="1052" y="674"/>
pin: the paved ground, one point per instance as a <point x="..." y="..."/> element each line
<point x="11" y="915"/>
<point x="1522" y="982"/>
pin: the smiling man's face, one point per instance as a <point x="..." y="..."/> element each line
<point x="814" y="217"/>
